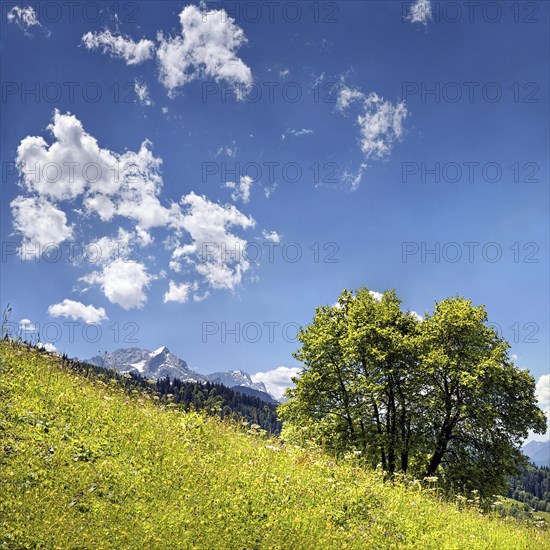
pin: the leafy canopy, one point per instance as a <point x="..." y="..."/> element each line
<point x="438" y="397"/>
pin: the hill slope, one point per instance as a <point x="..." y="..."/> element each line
<point x="85" y="463"/>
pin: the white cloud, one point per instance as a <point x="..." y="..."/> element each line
<point x="78" y="311"/>
<point x="353" y="180"/>
<point x="241" y="189"/>
<point x="376" y="295"/>
<point x="380" y="126"/>
<point x="39" y="222"/>
<point x="142" y="93"/>
<point x="420" y="12"/>
<point x="543" y="389"/>
<point x="74" y="165"/>
<point x="48" y="346"/>
<point x="24" y="18"/>
<point x="27" y="326"/>
<point x="178" y="292"/>
<point x="346" y="96"/>
<point x="272" y="237"/>
<point x="123" y="283"/>
<point x="106" y="250"/>
<point x="215" y="253"/>
<point x="543" y="396"/>
<point x="120" y="46"/>
<point x="277" y="380"/>
<point x="416" y="315"/>
<point x="268" y="191"/>
<point x="296" y="133"/>
<point x="200" y="233"/>
<point x="228" y="151"/>
<point x="206" y="48"/>
<point x="103" y="206"/>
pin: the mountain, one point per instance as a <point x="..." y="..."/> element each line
<point x="162" y="363"/>
<point x="89" y="460"/>
<point x="538" y="452"/>
<point x="264" y="396"/>
<point x="234" y="378"/>
<point x="150" y="364"/>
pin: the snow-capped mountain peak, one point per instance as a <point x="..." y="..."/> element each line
<point x="234" y="378"/>
<point x="151" y="364"/>
<point x="162" y="363"/>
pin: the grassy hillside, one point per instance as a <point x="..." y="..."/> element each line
<point x="85" y="464"/>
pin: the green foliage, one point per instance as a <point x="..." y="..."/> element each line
<point x="438" y="398"/>
<point x="221" y="401"/>
<point x="532" y="487"/>
<point x="92" y="461"/>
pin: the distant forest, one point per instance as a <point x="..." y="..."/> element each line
<point x="532" y="487"/>
<point x="215" y="399"/>
<point x="221" y="401"/>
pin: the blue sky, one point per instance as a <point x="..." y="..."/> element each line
<point x="342" y="142"/>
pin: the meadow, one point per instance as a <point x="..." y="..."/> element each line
<point x="87" y="463"/>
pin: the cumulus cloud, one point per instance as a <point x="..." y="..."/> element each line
<point x="178" y="292"/>
<point x="119" y="46"/>
<point x="206" y="48"/>
<point x="543" y="396"/>
<point x="241" y="190"/>
<point x="48" y="346"/>
<point x="420" y="12"/>
<point x="105" y="250"/>
<point x="78" y="311"/>
<point x="277" y="380"/>
<point x="39" y="222"/>
<point x="271" y="236"/>
<point x="27" y="326"/>
<point x="376" y="295"/>
<point x="74" y="165"/>
<point x="543" y="389"/>
<point x="73" y="175"/>
<point x="123" y="283"/>
<point x="214" y="251"/>
<point x="416" y="315"/>
<point x="24" y="18"/>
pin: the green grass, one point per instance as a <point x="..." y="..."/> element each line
<point x="84" y="464"/>
<point x="508" y="503"/>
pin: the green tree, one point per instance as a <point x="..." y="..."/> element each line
<point x="356" y="388"/>
<point x="433" y="397"/>
<point x="481" y="406"/>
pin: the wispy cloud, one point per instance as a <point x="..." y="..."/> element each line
<point x="420" y="12"/>
<point x="296" y="133"/>
<point x="24" y="18"/>
<point x="120" y="46"/>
